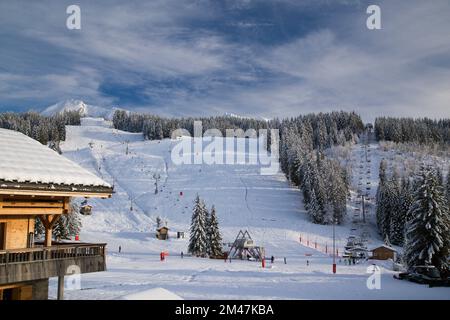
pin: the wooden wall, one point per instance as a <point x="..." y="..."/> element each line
<point x="35" y="290"/>
<point x="17" y="229"/>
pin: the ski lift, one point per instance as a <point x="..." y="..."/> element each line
<point x="85" y="209"/>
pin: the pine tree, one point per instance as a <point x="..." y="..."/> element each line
<point x="400" y="216"/>
<point x="68" y="224"/>
<point x="208" y="231"/>
<point x="198" y="238"/>
<point x="214" y="236"/>
<point x="381" y="197"/>
<point x="314" y="209"/>
<point x="427" y="236"/>
<point x="158" y="222"/>
<point x="39" y="229"/>
<point x="395" y="224"/>
<point x="447" y="187"/>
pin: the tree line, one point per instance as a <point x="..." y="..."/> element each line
<point x="422" y="131"/>
<point x="323" y="181"/>
<point x="413" y="212"/>
<point x="395" y="196"/>
<point x="41" y="128"/>
<point x="155" y="127"/>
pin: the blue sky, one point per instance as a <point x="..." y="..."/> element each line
<point x="255" y="58"/>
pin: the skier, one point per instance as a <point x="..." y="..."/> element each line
<point x="120" y="249"/>
<point x="272" y="259"/>
<point x="285" y="262"/>
<point x="182" y="254"/>
<point x="307" y="262"/>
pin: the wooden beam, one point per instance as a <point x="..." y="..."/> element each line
<point x="25" y="204"/>
<point x="48" y="237"/>
<point x="53" y="219"/>
<point x="44" y="220"/>
<point x="49" y="222"/>
<point x="66" y="205"/>
<point x="30" y="211"/>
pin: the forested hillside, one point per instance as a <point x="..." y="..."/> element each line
<point x="423" y="130"/>
<point x="303" y="139"/>
<point x="41" y="128"/>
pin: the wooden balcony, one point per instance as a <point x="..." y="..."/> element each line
<point x="20" y="265"/>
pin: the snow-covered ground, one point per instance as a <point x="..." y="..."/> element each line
<point x="267" y="206"/>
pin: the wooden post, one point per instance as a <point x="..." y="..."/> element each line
<point x="48" y="221"/>
<point x="48" y="237"/>
<point x="61" y="288"/>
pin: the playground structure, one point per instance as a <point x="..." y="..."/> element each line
<point x="244" y="247"/>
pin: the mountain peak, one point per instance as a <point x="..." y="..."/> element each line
<point x="85" y="110"/>
<point x="67" y="105"/>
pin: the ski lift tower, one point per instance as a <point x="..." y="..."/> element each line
<point x="244" y="247"/>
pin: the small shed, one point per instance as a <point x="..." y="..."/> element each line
<point x="384" y="252"/>
<point x="162" y="233"/>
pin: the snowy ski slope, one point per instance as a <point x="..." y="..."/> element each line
<point x="267" y="206"/>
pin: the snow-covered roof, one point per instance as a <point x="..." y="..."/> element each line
<point x="383" y="246"/>
<point x="25" y="160"/>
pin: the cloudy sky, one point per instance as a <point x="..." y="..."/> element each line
<point x="250" y="57"/>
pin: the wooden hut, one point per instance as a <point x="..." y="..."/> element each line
<point x="162" y="233"/>
<point x="384" y="252"/>
<point x="38" y="183"/>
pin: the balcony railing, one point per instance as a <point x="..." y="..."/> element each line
<point x="43" y="262"/>
<point x="63" y="251"/>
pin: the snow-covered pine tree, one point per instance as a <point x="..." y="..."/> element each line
<point x="400" y="216"/>
<point x="397" y="216"/>
<point x="158" y="222"/>
<point x="39" y="229"/>
<point x="447" y="188"/>
<point x="384" y="201"/>
<point x="214" y="236"/>
<point x="68" y="224"/>
<point x="314" y="209"/>
<point x="427" y="234"/>
<point x="208" y="230"/>
<point x="384" y="209"/>
<point x="198" y="239"/>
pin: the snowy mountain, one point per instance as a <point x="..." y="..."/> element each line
<point x="85" y="110"/>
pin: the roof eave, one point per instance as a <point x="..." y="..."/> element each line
<point x="40" y="189"/>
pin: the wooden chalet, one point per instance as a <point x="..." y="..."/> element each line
<point x="384" y="252"/>
<point x="36" y="182"/>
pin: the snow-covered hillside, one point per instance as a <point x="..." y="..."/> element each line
<point x="267" y="206"/>
<point x="85" y="110"/>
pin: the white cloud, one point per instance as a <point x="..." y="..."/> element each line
<point x="404" y="69"/>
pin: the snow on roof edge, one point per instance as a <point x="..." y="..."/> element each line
<point x="25" y="160"/>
